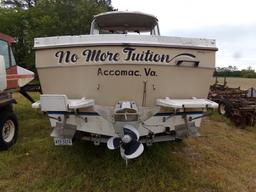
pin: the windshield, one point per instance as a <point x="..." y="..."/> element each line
<point x="96" y="29"/>
<point x="9" y="59"/>
<point x="4" y="51"/>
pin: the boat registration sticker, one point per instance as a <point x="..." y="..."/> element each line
<point x="62" y="141"/>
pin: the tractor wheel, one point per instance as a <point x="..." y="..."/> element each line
<point x="8" y="129"/>
<point x="250" y="120"/>
<point x="225" y="107"/>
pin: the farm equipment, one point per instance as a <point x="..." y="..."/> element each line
<point x="238" y="105"/>
<point x="12" y="77"/>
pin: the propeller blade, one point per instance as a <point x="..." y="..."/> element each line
<point x="114" y="143"/>
<point x="133" y="149"/>
<point x="132" y="131"/>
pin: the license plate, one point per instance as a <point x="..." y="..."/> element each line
<point x="62" y="141"/>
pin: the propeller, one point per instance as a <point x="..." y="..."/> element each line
<point x="129" y="144"/>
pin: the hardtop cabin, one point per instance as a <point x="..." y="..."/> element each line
<point x="118" y="22"/>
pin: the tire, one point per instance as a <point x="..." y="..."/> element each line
<point x="8" y="129"/>
<point x="225" y="107"/>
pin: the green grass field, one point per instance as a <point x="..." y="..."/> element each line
<point x="223" y="159"/>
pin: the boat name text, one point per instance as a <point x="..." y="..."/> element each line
<point x="129" y="54"/>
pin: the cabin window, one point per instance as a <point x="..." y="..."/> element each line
<point x="139" y="33"/>
<point x="12" y="58"/>
<point x="4" y="51"/>
<point x="128" y="32"/>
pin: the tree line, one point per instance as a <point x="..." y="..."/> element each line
<point x="27" y="19"/>
<point x="232" y="71"/>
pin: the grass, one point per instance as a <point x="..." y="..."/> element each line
<point x="243" y="83"/>
<point x="222" y="159"/>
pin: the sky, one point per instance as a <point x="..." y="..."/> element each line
<point x="231" y="22"/>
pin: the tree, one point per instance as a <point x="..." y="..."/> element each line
<point x="27" y="19"/>
<point x="14" y="22"/>
<point x="24" y="4"/>
<point x="248" y="73"/>
<point x="227" y="72"/>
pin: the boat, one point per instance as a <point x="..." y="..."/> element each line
<point x="124" y="84"/>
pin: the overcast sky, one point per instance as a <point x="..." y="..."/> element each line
<point x="231" y="22"/>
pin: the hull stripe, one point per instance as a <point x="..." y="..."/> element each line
<point x="96" y="114"/>
<point x="17" y="76"/>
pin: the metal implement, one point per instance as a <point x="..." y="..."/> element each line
<point x="239" y="105"/>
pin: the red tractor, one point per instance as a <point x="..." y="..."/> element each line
<point x="12" y="77"/>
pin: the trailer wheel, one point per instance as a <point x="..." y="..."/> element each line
<point x="225" y="107"/>
<point x="8" y="129"/>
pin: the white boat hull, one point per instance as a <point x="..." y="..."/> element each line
<point x="135" y="69"/>
<point x="109" y="81"/>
